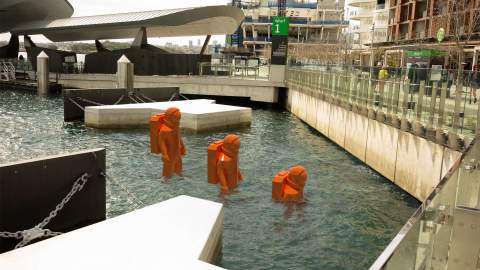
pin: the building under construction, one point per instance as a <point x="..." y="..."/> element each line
<point x="311" y="23"/>
<point x="448" y="26"/>
<point x="417" y="20"/>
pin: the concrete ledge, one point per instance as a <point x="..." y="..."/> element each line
<point x="180" y="233"/>
<point x="261" y="90"/>
<point x="413" y="163"/>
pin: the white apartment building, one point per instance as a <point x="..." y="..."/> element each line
<point x="319" y="21"/>
<point x="367" y="18"/>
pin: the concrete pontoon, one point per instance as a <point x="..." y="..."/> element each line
<point x="197" y="115"/>
<point x="180" y="233"/>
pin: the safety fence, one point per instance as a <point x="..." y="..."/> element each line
<point x="251" y="71"/>
<point x="444" y="232"/>
<point x="440" y="105"/>
<point x="7" y="71"/>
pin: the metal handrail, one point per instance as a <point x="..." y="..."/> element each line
<point x="430" y="103"/>
<point x="389" y="251"/>
<point x="7" y="71"/>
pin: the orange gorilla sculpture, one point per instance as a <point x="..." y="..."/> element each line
<point x="223" y="163"/>
<point x="287" y="186"/>
<point x="170" y="143"/>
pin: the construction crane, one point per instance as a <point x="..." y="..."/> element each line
<point x="282" y="7"/>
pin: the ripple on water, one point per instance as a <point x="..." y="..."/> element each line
<point x="350" y="215"/>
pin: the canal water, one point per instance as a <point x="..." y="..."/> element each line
<point x="351" y="213"/>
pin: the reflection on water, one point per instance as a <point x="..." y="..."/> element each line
<point x="350" y="213"/>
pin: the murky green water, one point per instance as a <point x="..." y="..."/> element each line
<point x="350" y="215"/>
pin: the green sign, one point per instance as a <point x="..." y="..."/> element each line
<point x="425" y="53"/>
<point x="280" y="26"/>
<point x="440" y="34"/>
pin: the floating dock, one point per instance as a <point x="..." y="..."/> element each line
<point x="197" y="115"/>
<point x="180" y="233"/>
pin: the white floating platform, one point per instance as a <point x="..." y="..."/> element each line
<point x="197" y="115"/>
<point x="180" y="233"/>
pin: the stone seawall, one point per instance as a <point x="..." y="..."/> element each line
<point x="411" y="162"/>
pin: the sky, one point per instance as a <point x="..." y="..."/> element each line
<point x="97" y="7"/>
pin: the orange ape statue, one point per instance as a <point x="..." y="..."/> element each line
<point x="169" y="141"/>
<point x="287" y="186"/>
<point x="223" y="163"/>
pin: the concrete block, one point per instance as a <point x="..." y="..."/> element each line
<point x="418" y="166"/>
<point x="381" y="151"/>
<point x="323" y="116"/>
<point x="356" y="135"/>
<point x="180" y="233"/>
<point x="336" y="129"/>
<point x="197" y="115"/>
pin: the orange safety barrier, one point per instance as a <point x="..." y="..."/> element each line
<point x="155" y="122"/>
<point x="223" y="163"/>
<point x="287" y="186"/>
<point x="170" y="142"/>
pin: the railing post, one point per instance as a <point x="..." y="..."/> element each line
<point x="380" y="112"/>
<point x="395" y="104"/>
<point x="329" y="85"/>
<point x="477" y="131"/>
<point x="453" y="139"/>
<point x="371" y="99"/>
<point x="334" y="87"/>
<point x="353" y="92"/>
<point x="390" y="89"/>
<point x="440" y="136"/>
<point x="431" y="115"/>
<point x="405" y="125"/>
<point x="366" y="83"/>
<point x="349" y="101"/>
<point x="418" y="128"/>
<point x="381" y="91"/>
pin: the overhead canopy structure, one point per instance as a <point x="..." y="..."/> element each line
<point x="17" y="12"/>
<point x="209" y="20"/>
